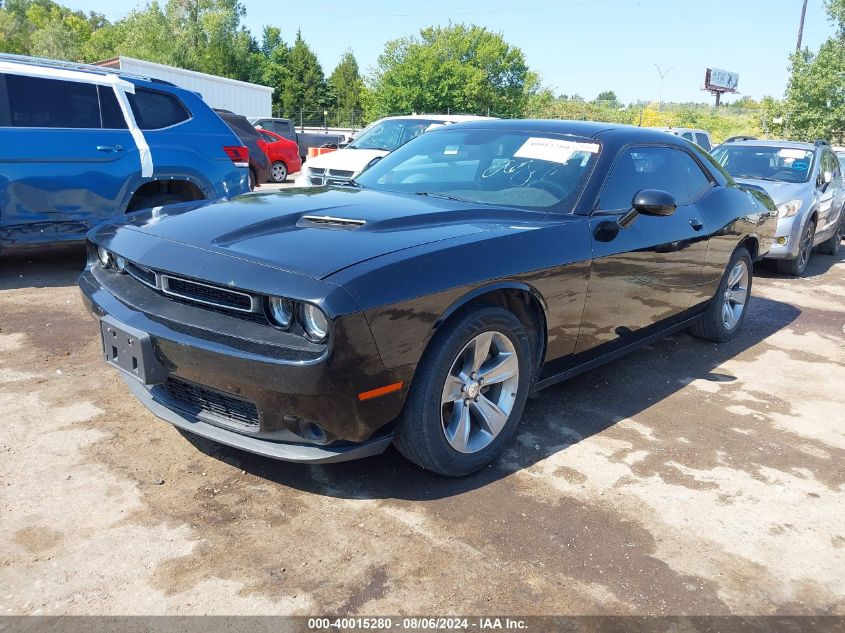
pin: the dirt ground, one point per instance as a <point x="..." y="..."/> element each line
<point x="687" y="478"/>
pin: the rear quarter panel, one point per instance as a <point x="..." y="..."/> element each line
<point x="193" y="150"/>
<point x="733" y="215"/>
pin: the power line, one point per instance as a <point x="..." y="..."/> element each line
<point x="476" y="11"/>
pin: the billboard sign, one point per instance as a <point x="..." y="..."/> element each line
<point x="719" y="80"/>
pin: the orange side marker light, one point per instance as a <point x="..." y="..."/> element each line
<point x="375" y="393"/>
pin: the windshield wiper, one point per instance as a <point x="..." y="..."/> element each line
<point x="749" y="176"/>
<point x="349" y="183"/>
<point x="443" y="196"/>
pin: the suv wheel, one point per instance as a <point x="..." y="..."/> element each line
<point x="831" y="245"/>
<point x="797" y="266"/>
<point x="468" y="393"/>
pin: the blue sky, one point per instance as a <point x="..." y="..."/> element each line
<point x="578" y="46"/>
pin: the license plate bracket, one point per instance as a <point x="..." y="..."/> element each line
<point x="131" y="351"/>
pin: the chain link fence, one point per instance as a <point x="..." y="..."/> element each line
<point x="721" y="122"/>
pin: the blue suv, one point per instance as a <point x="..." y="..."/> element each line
<point x="80" y="144"/>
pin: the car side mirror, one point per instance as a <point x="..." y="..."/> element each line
<point x="653" y="202"/>
<point x="828" y="177"/>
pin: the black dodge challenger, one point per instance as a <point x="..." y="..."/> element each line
<point x="420" y="303"/>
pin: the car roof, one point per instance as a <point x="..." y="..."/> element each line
<point x="682" y="129"/>
<point x="810" y="147"/>
<point x="587" y="129"/>
<point x="82" y="69"/>
<point x="445" y="118"/>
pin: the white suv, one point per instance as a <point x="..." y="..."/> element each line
<point x="374" y="142"/>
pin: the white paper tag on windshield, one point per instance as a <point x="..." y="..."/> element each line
<point x="553" y="150"/>
<point x="791" y="153"/>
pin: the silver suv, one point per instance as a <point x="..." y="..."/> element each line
<point x="805" y="181"/>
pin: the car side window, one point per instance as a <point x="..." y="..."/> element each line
<point x="652" y="167"/>
<point x="4" y="103"/>
<point x="110" y="112"/>
<point x="52" y="103"/>
<point x="702" y="141"/>
<point x="823" y="167"/>
<point x="155" y="110"/>
<point x="688" y="136"/>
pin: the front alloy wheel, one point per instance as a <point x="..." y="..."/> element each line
<point x="479" y="392"/>
<point x="468" y="392"/>
<point x="796" y="267"/>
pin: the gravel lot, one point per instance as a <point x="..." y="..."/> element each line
<point x="687" y="478"/>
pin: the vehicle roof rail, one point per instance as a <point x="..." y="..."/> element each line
<point x="92" y="68"/>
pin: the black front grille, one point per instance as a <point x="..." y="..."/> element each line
<point x="198" y="399"/>
<point x="341" y="173"/>
<point x="317" y="170"/>
<point x="206" y="294"/>
<point x="141" y="273"/>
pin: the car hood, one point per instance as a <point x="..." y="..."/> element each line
<point x="779" y="191"/>
<point x="273" y="229"/>
<point x="347" y="159"/>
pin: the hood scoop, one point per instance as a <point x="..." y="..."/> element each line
<point x="330" y="222"/>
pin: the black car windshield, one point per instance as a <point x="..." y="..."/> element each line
<point x="785" y="164"/>
<point x="502" y="167"/>
<point x="389" y="134"/>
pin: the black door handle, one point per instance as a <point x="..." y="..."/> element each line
<point x="696" y="224"/>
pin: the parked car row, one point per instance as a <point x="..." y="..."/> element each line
<point x="456" y="265"/>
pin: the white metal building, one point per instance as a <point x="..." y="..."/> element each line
<point x="240" y="97"/>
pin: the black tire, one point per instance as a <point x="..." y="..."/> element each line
<point x="796" y="267"/>
<point x="158" y="200"/>
<point x="831" y="245"/>
<point x="278" y="172"/>
<point x="252" y="180"/>
<point x="420" y="435"/>
<point x="711" y="325"/>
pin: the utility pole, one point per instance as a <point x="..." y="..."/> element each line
<point x="801" y="26"/>
<point x="662" y="74"/>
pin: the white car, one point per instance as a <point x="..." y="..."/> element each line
<point x="694" y="135"/>
<point x="375" y="141"/>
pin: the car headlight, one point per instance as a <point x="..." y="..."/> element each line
<point x="788" y="209"/>
<point x="281" y="311"/>
<point x="315" y="322"/>
<point x="119" y="263"/>
<point x="104" y="256"/>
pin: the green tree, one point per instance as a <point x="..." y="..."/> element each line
<point x="344" y="88"/>
<point x="458" y="68"/>
<point x="815" y="96"/>
<point x="304" y="86"/>
<point x="608" y="98"/>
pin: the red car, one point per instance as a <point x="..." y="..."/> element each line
<point x="283" y="155"/>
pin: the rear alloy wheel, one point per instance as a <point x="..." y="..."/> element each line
<point x="727" y="309"/>
<point x="468" y="393"/>
<point x="278" y="171"/>
<point x="797" y="266"/>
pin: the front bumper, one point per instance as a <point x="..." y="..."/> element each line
<point x="790" y="230"/>
<point x="229" y="360"/>
<point x="285" y="451"/>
